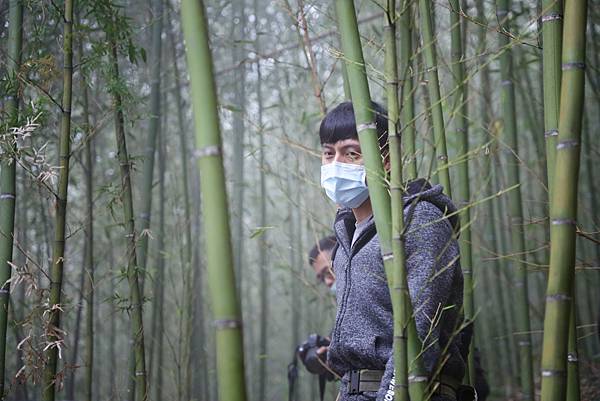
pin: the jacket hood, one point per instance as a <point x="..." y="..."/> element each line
<point x="417" y="191"/>
<point x="421" y="190"/>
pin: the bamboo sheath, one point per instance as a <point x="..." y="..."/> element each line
<point x="8" y="175"/>
<point x="563" y="212"/>
<point x="221" y="280"/>
<point x="56" y="270"/>
<point x="515" y="210"/>
<point x="378" y="191"/>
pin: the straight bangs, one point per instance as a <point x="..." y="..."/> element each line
<point x="339" y="124"/>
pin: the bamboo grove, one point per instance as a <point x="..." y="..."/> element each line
<point x="159" y="189"/>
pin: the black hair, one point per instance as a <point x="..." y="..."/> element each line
<point x="324" y="244"/>
<point x="339" y="124"/>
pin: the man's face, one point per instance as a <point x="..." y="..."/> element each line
<point x="344" y="151"/>
<point x="322" y="267"/>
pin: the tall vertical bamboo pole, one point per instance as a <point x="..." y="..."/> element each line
<point x="58" y="253"/>
<point x="8" y="174"/>
<point x="400" y="286"/>
<point x="154" y="123"/>
<point x="199" y="354"/>
<point x="159" y="297"/>
<point x="135" y="297"/>
<point x="89" y="239"/>
<point x="552" y="41"/>
<point x="406" y="76"/>
<point x="515" y="212"/>
<point x="238" y="141"/>
<point x="459" y="108"/>
<point x="262" y="240"/>
<point x="433" y="86"/>
<point x="563" y="212"/>
<point x="230" y="352"/>
<point x="378" y="191"/>
<point x="148" y="168"/>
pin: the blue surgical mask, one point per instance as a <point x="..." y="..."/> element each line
<point x="332" y="289"/>
<point x="345" y="183"/>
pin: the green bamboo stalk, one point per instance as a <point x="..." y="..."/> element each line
<point x="552" y="40"/>
<point x="433" y="86"/>
<point x="573" y="391"/>
<point x="145" y="215"/>
<point x="137" y="327"/>
<point x="563" y="212"/>
<point x="407" y="110"/>
<point x="400" y="286"/>
<point x="56" y="270"/>
<point x="70" y="380"/>
<point x="150" y="149"/>
<point x="159" y="284"/>
<point x="188" y="254"/>
<point x="378" y="190"/>
<point x="89" y="238"/>
<point x="238" y="141"/>
<point x="459" y="109"/>
<point x="514" y="201"/>
<point x="8" y="175"/>
<point x="262" y="240"/>
<point x="230" y="352"/>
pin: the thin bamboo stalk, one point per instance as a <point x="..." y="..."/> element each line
<point x="89" y="238"/>
<point x="406" y="72"/>
<point x="230" y="353"/>
<point x="8" y="189"/>
<point x="188" y="254"/>
<point x="563" y="212"/>
<point x="464" y="194"/>
<point x="54" y="337"/>
<point x="400" y="286"/>
<point x="262" y="240"/>
<point x="433" y="86"/>
<point x="135" y="297"/>
<point x="515" y="212"/>
<point x="159" y="297"/>
<point x="150" y="149"/>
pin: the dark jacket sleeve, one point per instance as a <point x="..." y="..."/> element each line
<point x="431" y="256"/>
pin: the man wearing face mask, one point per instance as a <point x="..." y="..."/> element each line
<point x="361" y="340"/>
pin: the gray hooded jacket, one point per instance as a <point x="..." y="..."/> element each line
<point x="363" y="332"/>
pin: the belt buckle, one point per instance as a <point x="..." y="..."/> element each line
<point x="354" y="382"/>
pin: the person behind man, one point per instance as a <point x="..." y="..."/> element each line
<point x="319" y="259"/>
<point x="361" y="340"/>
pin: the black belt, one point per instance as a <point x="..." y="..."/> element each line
<point x="364" y="380"/>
